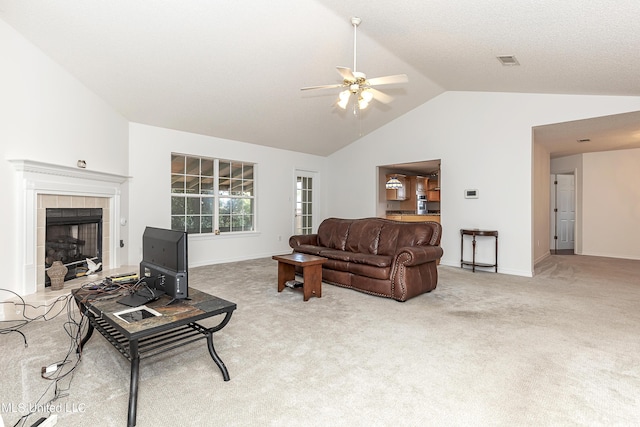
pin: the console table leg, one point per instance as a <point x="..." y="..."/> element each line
<point x="473" y="243"/>
<point x="461" y="249"/>
<point x="133" y="386"/>
<point x="496" y="252"/>
<point x="216" y="358"/>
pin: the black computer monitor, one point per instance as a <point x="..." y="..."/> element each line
<point x="165" y="261"/>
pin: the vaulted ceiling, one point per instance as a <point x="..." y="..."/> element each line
<point x="234" y="69"/>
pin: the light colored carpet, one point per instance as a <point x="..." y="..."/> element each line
<point x="561" y="348"/>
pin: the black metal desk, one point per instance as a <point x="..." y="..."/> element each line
<point x="145" y="338"/>
<point x="475" y="232"/>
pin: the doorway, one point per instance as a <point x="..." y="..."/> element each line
<point x="563" y="214"/>
<point x="305" y="202"/>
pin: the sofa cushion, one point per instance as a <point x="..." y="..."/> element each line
<point x="332" y="233"/>
<point x="373" y="260"/>
<point x="336" y="254"/>
<point x="398" y="235"/>
<point x="365" y="270"/>
<point x="356" y="258"/>
<point x="337" y="265"/>
<point x="310" y="249"/>
<point x="363" y="236"/>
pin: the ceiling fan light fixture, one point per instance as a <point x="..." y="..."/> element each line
<point x="356" y="82"/>
<point x="343" y="99"/>
<point x="364" y="97"/>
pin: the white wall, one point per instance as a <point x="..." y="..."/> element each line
<point x="611" y="204"/>
<point x="484" y="142"/>
<point x="47" y="115"/>
<point x="150" y="192"/>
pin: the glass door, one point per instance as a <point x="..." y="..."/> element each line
<point x="303" y="221"/>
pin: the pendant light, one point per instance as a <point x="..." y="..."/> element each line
<point x="393" y="184"/>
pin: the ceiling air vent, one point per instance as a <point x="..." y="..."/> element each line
<point x="508" y="60"/>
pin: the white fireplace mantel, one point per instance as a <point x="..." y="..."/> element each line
<point x="35" y="178"/>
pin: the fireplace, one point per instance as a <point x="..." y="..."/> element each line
<point x="45" y="185"/>
<point x="73" y="235"/>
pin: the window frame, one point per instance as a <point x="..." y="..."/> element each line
<point x="215" y="194"/>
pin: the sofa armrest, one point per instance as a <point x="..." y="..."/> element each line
<point x="303" y="239"/>
<point x="420" y="254"/>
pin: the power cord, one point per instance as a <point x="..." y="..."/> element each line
<point x="59" y="373"/>
<point x="62" y="372"/>
<point x="20" y="323"/>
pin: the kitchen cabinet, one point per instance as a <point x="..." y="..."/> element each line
<point x="433" y="191"/>
<point x="401" y="193"/>
<point x="421" y="185"/>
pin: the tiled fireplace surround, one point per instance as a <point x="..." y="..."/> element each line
<point x="64" y="201"/>
<point x="43" y="185"/>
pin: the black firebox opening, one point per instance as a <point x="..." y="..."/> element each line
<point x="72" y="235"/>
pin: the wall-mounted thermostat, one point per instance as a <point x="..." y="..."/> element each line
<point x="470" y="194"/>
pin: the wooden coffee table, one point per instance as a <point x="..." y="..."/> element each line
<point x="311" y="272"/>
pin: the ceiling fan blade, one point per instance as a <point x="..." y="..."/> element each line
<point x="387" y="80"/>
<point x="322" y="87"/>
<point x="380" y="96"/>
<point x="346" y="74"/>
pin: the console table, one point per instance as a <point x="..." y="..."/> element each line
<point x="476" y="232"/>
<point x="175" y="327"/>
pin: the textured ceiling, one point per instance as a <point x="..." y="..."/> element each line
<point x="233" y="69"/>
<point x="607" y="133"/>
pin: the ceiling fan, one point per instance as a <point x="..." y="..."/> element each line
<point x="357" y="84"/>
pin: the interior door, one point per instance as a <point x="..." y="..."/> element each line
<point x="566" y="211"/>
<point x="304" y="206"/>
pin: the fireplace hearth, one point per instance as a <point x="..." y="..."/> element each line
<point x="72" y="236"/>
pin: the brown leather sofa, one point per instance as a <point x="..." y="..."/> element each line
<point x="378" y="256"/>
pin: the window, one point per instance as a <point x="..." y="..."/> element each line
<point x="211" y="195"/>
